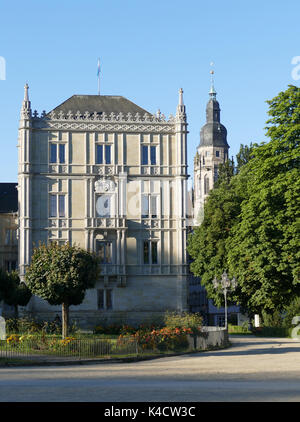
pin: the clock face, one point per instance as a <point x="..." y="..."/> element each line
<point x="103" y="206"/>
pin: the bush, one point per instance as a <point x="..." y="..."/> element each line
<point x="239" y="329"/>
<point x="191" y="321"/>
<point x="273" y="319"/>
<point x="272" y="331"/>
<point x="162" y="339"/>
<point x="22" y="325"/>
<point x="292" y="310"/>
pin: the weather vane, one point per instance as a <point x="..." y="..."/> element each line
<point x="212" y="92"/>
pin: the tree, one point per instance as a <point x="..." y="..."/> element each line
<point x="264" y="248"/>
<point x="12" y="291"/>
<point x="250" y="218"/>
<point x="244" y="155"/>
<point x="61" y="274"/>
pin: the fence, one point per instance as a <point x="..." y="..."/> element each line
<point x="44" y="348"/>
<point x="41" y="349"/>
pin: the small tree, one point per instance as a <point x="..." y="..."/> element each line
<point x="61" y="274"/>
<point x="12" y="291"/>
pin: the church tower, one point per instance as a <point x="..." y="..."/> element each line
<point x="211" y="152"/>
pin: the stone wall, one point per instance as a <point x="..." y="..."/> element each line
<point x="210" y="337"/>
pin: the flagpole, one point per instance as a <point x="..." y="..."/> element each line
<point x="98" y="73"/>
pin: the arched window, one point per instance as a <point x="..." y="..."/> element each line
<point x="206" y="185"/>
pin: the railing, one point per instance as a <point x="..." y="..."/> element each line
<point x="41" y="348"/>
<point x="49" y="348"/>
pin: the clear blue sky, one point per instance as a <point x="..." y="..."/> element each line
<point x="148" y="50"/>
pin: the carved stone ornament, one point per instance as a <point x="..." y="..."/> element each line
<point x="104" y="186"/>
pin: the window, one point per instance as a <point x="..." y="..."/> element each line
<point x="10" y="265"/>
<point x="217" y="153"/>
<point x="215" y="173"/>
<point x="146" y="150"/>
<point x="146" y="252"/>
<point x="153" y="155"/>
<point x="144" y="155"/>
<point x="57" y="205"/>
<point x="99" y="154"/>
<point x="61" y="153"/>
<point x="61" y="205"/>
<point x="104" y="298"/>
<point x="150" y="255"/>
<point x="10" y="237"/>
<point x="206" y="185"/>
<point x="107" y="154"/>
<point x="53" y="153"/>
<point x="53" y="149"/>
<point x="103" y="159"/>
<point x="104" y="251"/>
<point x="149" y="206"/>
<point x="154" y="252"/>
<point x="220" y="319"/>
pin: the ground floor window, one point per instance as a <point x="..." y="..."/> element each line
<point x="104" y="299"/>
<point x="150" y="252"/>
<point x="10" y="265"/>
<point x="220" y="320"/>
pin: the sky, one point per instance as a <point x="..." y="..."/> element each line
<point x="149" y="50"/>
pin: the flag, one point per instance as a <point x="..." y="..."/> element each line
<point x="98" y="70"/>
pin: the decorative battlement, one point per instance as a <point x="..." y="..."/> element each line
<point x="103" y="117"/>
<point x="104" y="122"/>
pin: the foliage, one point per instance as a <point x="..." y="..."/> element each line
<point x="251" y="219"/>
<point x="191" y="321"/>
<point x="28" y="325"/>
<point x="274" y="319"/>
<point x="12" y="291"/>
<point x="239" y="329"/>
<point x="61" y="274"/>
<point x="162" y="339"/>
<point x="291" y="310"/>
<point x="263" y="250"/>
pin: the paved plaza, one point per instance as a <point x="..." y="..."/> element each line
<point x="253" y="369"/>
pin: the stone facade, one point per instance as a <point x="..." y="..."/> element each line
<point x="8" y="226"/>
<point x="102" y="173"/>
<point x="8" y="234"/>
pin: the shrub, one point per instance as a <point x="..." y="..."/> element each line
<point x="273" y="319"/>
<point x="191" y="321"/>
<point x="292" y="310"/>
<point x="163" y="339"/>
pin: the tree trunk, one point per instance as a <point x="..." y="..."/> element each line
<point x="65" y="320"/>
<point x="16" y="311"/>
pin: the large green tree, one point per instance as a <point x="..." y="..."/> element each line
<point x="61" y="274"/>
<point x="263" y="250"/>
<point x="250" y="218"/>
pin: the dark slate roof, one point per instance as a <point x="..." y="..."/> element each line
<point x="213" y="134"/>
<point x="8" y="197"/>
<point x="100" y="104"/>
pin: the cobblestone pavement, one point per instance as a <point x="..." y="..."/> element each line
<point x="253" y="369"/>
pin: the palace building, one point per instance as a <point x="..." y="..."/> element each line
<point x="100" y="172"/>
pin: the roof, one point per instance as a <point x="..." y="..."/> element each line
<point x="99" y="104"/>
<point x="213" y="134"/>
<point x="8" y="197"/>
